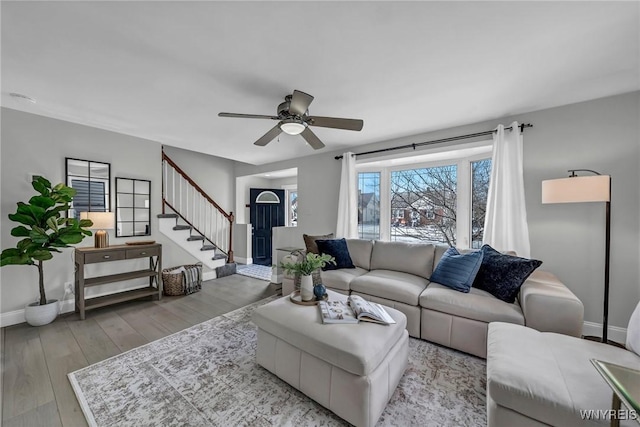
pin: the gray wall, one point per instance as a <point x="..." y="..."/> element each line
<point x="39" y="145"/>
<point x="214" y="175"/>
<point x="602" y="135"/>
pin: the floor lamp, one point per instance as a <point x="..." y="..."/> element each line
<point x="580" y="189"/>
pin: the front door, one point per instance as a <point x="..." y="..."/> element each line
<point x="267" y="208"/>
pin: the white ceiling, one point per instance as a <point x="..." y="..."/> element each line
<point x="163" y="70"/>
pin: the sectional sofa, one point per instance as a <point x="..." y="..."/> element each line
<point x="396" y="274"/>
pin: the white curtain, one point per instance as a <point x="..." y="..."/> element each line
<point x="505" y="223"/>
<point x="347" y="226"/>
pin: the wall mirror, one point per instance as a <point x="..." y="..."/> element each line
<point x="133" y="207"/>
<point x="91" y="180"/>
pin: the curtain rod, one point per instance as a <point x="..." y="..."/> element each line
<point x="438" y="141"/>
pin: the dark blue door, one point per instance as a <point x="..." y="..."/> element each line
<point x="267" y="208"/>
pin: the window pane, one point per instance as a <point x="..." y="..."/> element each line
<point x="480" y="175"/>
<point x="369" y="205"/>
<point x="423" y="204"/>
<point x="293" y="208"/>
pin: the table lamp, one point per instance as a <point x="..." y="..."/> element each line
<point x="581" y="189"/>
<point x="101" y="221"/>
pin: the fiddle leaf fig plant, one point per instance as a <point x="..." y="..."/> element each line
<point x="43" y="228"/>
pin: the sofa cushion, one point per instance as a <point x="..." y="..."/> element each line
<point x="337" y="248"/>
<point x="502" y="275"/>
<point x="548" y="376"/>
<point x="476" y="305"/>
<point x="340" y="279"/>
<point x="412" y="258"/>
<point x="457" y="271"/>
<point x="360" y="251"/>
<point x="392" y="285"/>
<point x="310" y="241"/>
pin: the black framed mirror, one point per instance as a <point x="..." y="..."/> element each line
<point x="91" y="180"/>
<point x="133" y="207"/>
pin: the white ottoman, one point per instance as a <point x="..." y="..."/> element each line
<point x="350" y="369"/>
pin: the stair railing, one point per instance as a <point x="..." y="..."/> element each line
<point x="184" y="197"/>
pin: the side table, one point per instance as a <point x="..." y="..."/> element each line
<point x="625" y="383"/>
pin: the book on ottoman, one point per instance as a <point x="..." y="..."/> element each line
<point x="353" y="310"/>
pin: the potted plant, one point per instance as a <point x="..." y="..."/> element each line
<point x="44" y="231"/>
<point x="305" y="268"/>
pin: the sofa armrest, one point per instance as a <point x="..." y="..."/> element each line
<point x="549" y="306"/>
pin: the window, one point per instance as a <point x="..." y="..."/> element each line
<point x="480" y="176"/>
<point x="439" y="197"/>
<point x="424" y="204"/>
<point x="369" y="205"/>
<point x="293" y="207"/>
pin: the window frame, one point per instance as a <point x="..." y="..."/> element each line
<point x="464" y="186"/>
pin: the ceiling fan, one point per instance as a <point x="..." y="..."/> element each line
<point x="294" y="119"/>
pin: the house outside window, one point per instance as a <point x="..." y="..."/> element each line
<point x="440" y="201"/>
<point x="369" y="205"/>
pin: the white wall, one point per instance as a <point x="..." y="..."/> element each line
<point x="36" y="144"/>
<point x="601" y="134"/>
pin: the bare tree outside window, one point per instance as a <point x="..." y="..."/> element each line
<point x="480" y="176"/>
<point x="423" y="204"/>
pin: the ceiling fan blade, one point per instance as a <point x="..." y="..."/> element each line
<point x="336" y="123"/>
<point x="247" y="116"/>
<point x="312" y="139"/>
<point x="300" y="102"/>
<point x="268" y="137"/>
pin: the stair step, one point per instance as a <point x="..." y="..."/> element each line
<point x="207" y="248"/>
<point x="167" y="215"/>
<point x="194" y="238"/>
<point x="219" y="256"/>
<point x="182" y="227"/>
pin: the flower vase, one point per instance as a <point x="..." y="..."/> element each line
<point x="306" y="288"/>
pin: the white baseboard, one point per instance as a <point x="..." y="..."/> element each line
<point x="614" y="333"/>
<point x="241" y="260"/>
<point x="66" y="306"/>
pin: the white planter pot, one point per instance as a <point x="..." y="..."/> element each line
<point x="306" y="288"/>
<point x="39" y="315"/>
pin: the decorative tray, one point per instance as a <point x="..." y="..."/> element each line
<point x="139" y="242"/>
<point x="296" y="299"/>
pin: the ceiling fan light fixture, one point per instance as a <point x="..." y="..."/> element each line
<point x="292" y="127"/>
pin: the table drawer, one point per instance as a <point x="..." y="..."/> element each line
<point x="142" y="252"/>
<point x="103" y="257"/>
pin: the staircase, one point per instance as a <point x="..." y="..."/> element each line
<point x="193" y="220"/>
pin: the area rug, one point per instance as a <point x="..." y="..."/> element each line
<point x="207" y="376"/>
<point x="262" y="272"/>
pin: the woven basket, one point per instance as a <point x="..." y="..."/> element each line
<point x="173" y="284"/>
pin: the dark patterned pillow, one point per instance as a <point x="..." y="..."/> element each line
<point x="457" y="271"/>
<point x="310" y="241"/>
<point x="338" y="249"/>
<point x="502" y="275"/>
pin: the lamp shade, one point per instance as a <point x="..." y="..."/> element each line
<point x="577" y="189"/>
<point x="101" y="220"/>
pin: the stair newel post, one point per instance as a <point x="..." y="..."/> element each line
<point x="230" y="253"/>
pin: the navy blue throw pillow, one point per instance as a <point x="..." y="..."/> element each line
<point x="457" y="271"/>
<point x="502" y="275"/>
<point x="337" y="248"/>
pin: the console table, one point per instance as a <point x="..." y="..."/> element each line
<point x="91" y="255"/>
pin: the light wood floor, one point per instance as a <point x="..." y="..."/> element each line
<point x="36" y="361"/>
